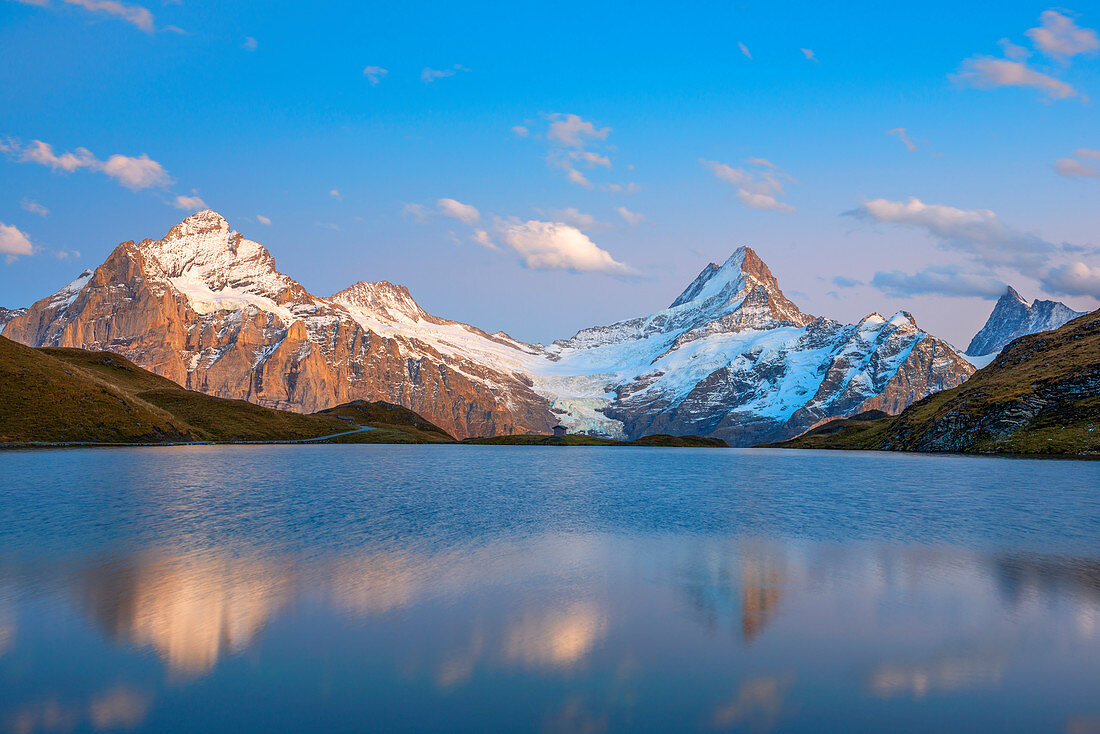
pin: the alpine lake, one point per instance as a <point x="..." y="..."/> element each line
<point x="546" y="589"/>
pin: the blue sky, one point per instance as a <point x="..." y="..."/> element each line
<point x="655" y="139"/>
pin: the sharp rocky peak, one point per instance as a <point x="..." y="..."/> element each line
<point x="1012" y="295"/>
<point x="1013" y="317"/>
<point x="743" y="268"/>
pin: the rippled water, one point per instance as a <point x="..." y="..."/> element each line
<point x="466" y="588"/>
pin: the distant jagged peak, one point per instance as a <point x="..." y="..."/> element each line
<point x="1011" y="294"/>
<point x="1013" y="317"/>
<point x="382" y="298"/>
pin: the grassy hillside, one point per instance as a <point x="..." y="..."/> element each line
<point x="74" y="395"/>
<point x="393" y="423"/>
<point x="580" y="440"/>
<point x="1040" y="396"/>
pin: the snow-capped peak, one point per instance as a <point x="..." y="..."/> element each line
<point x="903" y="318"/>
<point x="728" y="278"/>
<point x="383" y="298"/>
<point x="203" y="250"/>
<point x="1011" y="294"/>
<point x="65" y="297"/>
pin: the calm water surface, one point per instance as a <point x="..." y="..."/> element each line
<point x="461" y="588"/>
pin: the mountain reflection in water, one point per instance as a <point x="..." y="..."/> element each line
<point x="350" y="606"/>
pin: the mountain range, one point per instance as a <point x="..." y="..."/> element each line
<point x="731" y="357"/>
<point x="1041" y="395"/>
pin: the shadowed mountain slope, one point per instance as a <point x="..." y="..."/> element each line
<point x="1041" y="395"/>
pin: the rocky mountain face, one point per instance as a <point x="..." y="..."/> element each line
<point x="1014" y="317"/>
<point x="731" y="357"/>
<point x="7" y="314"/>
<point x="1039" y="396"/>
<point x="207" y="308"/>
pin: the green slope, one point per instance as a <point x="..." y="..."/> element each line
<point x="393" y="423"/>
<point x="74" y="395"/>
<point x="1040" y="396"/>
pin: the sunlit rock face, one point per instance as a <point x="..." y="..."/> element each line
<point x="207" y="308"/>
<point x="732" y="356"/>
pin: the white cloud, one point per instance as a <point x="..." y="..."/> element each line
<point x="576" y="218"/>
<point x="263" y="220"/>
<point x="250" y="44"/>
<point x="903" y="136"/>
<point x="34" y="207"/>
<point x="135" y="14"/>
<point x="1086" y="153"/>
<point x="809" y="54"/>
<point x="1070" y="167"/>
<point x="416" y="212"/>
<point x="520" y="131"/>
<point x="1071" y="279"/>
<point x="630" y="217"/>
<point x="194" y="203"/>
<point x="464" y="213"/>
<point x="1012" y="51"/>
<point x="335" y="194"/>
<point x="14" y="242"/>
<point x="1060" y="37"/>
<point x="39" y="152"/>
<point x="986" y="72"/>
<point x="744" y="50"/>
<point x="758" y="189"/>
<point x="329" y="225"/>
<point x="627" y="188"/>
<point x="576" y="177"/>
<point x="134" y="173"/>
<point x="590" y="159"/>
<point x="570" y="136"/>
<point x="482" y="237"/>
<point x="556" y="246"/>
<point x="767" y="202"/>
<point x="942" y="280"/>
<point x="374" y="74"/>
<point x="429" y="75"/>
<point x="573" y="131"/>
<point x="986" y="241"/>
<point x="968" y="229"/>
